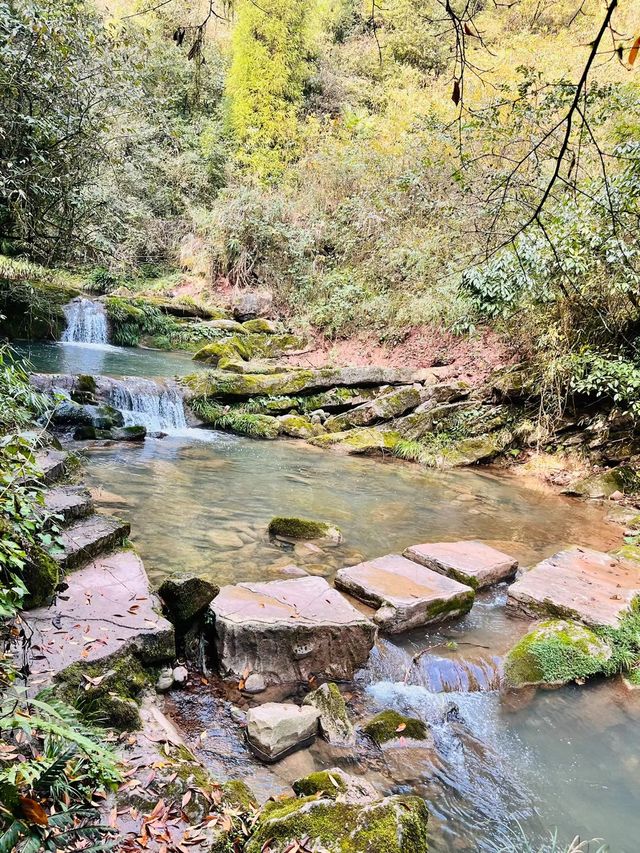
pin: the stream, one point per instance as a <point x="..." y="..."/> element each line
<point x="569" y="759"/>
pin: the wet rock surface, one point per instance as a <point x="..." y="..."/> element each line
<point x="470" y="562"/>
<point x="88" y="537"/>
<point x="406" y="594"/>
<point x="588" y="586"/>
<point x="70" y="502"/>
<point x="288" y="631"/>
<point x="334" y="722"/>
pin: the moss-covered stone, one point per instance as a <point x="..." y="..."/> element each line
<point x="304" y="529"/>
<point x="555" y="653"/>
<point x="108" y="689"/>
<point x="390" y="725"/>
<point x="396" y="402"/>
<point x="33" y="309"/>
<point x="392" y="825"/>
<point x="366" y="441"/>
<point x="334" y="720"/>
<point x="323" y="782"/>
<point x="40" y="575"/>
<point x="621" y="479"/>
<point x="186" y="596"/>
<point x="260" y="326"/>
<point x="297" y="426"/>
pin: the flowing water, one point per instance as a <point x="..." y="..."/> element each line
<point x="156" y="405"/>
<point x="490" y="771"/>
<point x="86" y="322"/>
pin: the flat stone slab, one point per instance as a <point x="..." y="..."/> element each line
<point x="108" y="608"/>
<point x="289" y="630"/>
<point x="408" y="595"/>
<point x="90" y="537"/>
<point x="71" y="502"/>
<point x="52" y="463"/>
<point x="470" y="562"/>
<point x="592" y="587"/>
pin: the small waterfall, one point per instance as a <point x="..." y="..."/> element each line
<point x="86" y="322"/>
<point x="155" y="405"/>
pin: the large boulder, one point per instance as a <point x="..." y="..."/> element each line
<point x="288" y="631"/>
<point x="396" y="402"/>
<point x="275" y="729"/>
<point x="365" y="441"/>
<point x="335" y="724"/>
<point x="249" y="304"/>
<point x="621" y="479"/>
<point x="556" y="652"/>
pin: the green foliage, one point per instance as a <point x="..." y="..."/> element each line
<point x="265" y="83"/>
<point x="609" y="376"/>
<point x="56" y="67"/>
<point x="101" y="281"/>
<point x="235" y="419"/>
<point x="132" y="319"/>
<point x="47" y="794"/>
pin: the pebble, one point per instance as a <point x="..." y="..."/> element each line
<point x="254" y="683"/>
<point x="165" y="681"/>
<point x="180" y="675"/>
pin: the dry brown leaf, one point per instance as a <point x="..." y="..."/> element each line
<point x="633" y="53"/>
<point x="33" y="811"/>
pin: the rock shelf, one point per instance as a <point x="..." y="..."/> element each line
<point x="470" y="562"/>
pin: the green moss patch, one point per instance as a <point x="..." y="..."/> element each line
<point x="390" y="725"/>
<point x="298" y="528"/>
<point x="556" y="652"/>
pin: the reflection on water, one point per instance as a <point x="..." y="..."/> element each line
<point x="569" y="760"/>
<point x="68" y="357"/>
<point x="206" y="507"/>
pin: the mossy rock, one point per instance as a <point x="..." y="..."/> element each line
<point x="556" y="652"/>
<point x="108" y="688"/>
<point x="303" y="529"/>
<point x="369" y="441"/>
<point x="135" y="432"/>
<point x="392" y="825"/>
<point x="260" y="326"/>
<point x="40" y="575"/>
<point x="383" y="408"/>
<point x="622" y="479"/>
<point x="297" y="426"/>
<point x="33" y="309"/>
<point x="325" y="782"/>
<point x="334" y="721"/>
<point x="391" y="725"/>
<point x="186" y="596"/>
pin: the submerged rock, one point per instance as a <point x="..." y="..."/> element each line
<point x="276" y="729"/>
<point x="406" y="594"/>
<point x="335" y="726"/>
<point x="289" y="630"/>
<point x="472" y="563"/>
<point x="304" y="529"/>
<point x="336" y="785"/>
<point x="555" y="653"/>
<point x="391" y="825"/>
<point x="390" y="725"/>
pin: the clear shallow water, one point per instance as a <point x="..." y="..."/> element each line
<point x="570" y="759"/>
<point x="68" y="357"/>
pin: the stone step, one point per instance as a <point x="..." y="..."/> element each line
<point x="471" y="562"/>
<point x="89" y="537"/>
<point x="288" y="631"/>
<point x="406" y="594"/>
<point x="52" y="463"/>
<point x="591" y="587"/>
<point x="70" y="502"/>
<point x="106" y="609"/>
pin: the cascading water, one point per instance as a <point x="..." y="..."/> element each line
<point x="86" y="322"/>
<point x="157" y="406"/>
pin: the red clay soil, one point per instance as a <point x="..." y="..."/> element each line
<point x="471" y="359"/>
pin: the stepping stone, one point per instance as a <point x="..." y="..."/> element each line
<point x="407" y="595"/>
<point x="107" y="609"/>
<point x="591" y="587"/>
<point x="288" y="631"/>
<point x="470" y="562"/>
<point x="275" y="730"/>
<point x="90" y="537"/>
<point x="71" y="502"/>
<point x="52" y="464"/>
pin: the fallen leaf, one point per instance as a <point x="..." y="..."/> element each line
<point x="633" y="53"/>
<point x="33" y="811"/>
